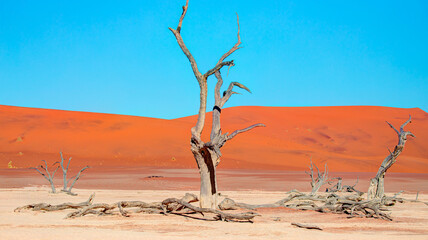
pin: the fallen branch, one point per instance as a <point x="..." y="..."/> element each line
<point x="49" y="207"/>
<point x="248" y="216"/>
<point x="345" y="188"/>
<point x="300" y="225"/>
<point x="169" y="205"/>
<point x="352" y="205"/>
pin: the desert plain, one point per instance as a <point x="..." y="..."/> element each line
<point x="125" y="152"/>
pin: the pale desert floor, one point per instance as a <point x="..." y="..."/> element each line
<point x="410" y="219"/>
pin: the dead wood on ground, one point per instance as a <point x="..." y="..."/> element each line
<point x="48" y="207"/>
<point x="177" y="206"/>
<point x="307" y="226"/>
<point x="353" y="205"/>
<point x="338" y="187"/>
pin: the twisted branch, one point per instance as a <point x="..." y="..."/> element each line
<point x="236" y="132"/>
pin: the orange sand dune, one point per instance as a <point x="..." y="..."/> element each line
<point x="351" y="139"/>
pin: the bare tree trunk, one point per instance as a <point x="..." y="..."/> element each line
<point x="52" y="186"/>
<point x="207" y="154"/>
<point x="376" y="188"/>
<point x="49" y="177"/>
<point x="64" y="175"/>
<point x="208" y="193"/>
<point x="207" y="172"/>
<point x="64" y="172"/>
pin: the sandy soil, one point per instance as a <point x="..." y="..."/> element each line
<point x="352" y="139"/>
<point x="138" y="178"/>
<point x="410" y="219"/>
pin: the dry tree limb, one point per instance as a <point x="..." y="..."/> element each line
<point x="390" y="201"/>
<point x="103" y="208"/>
<point x="338" y="187"/>
<point x="188" y="197"/>
<point x="320" y="179"/>
<point x="64" y="168"/>
<point x="229" y="204"/>
<point x="248" y="216"/>
<point x="352" y="205"/>
<point x="96" y="209"/>
<point x="49" y="207"/>
<point x="167" y="206"/>
<point x="307" y="226"/>
<point x="170" y="205"/>
<point x="154" y="207"/>
<point x="49" y="177"/>
<point x="368" y="208"/>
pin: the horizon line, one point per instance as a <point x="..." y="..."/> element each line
<point x="331" y="106"/>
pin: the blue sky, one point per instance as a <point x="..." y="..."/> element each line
<point x="119" y="56"/>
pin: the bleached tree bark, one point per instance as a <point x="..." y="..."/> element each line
<point x="338" y="187"/>
<point x="64" y="171"/>
<point x="376" y="188"/>
<point x="49" y="176"/>
<point x="207" y="154"/>
<point x="319" y="180"/>
<point x="64" y="175"/>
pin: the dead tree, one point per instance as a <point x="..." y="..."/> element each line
<point x="376" y="188"/>
<point x="49" y="176"/>
<point x="64" y="175"/>
<point x="319" y="180"/>
<point x="207" y="154"/>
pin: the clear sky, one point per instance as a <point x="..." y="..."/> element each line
<point x="119" y="56"/>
